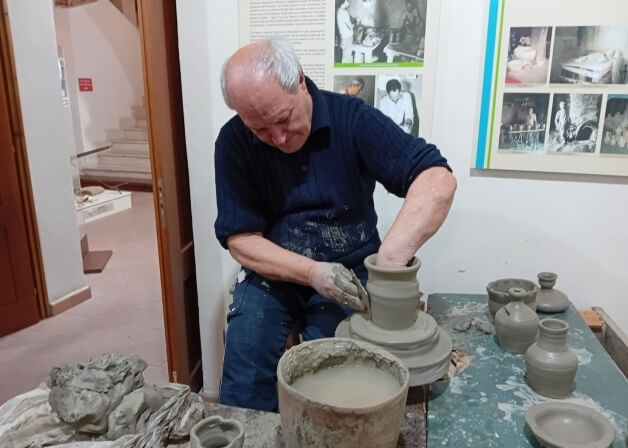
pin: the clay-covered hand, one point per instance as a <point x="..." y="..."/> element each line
<point x="334" y="281"/>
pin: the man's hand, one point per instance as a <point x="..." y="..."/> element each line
<point x="334" y="281"/>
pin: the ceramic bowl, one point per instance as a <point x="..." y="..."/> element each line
<point x="567" y="425"/>
<point x="216" y="432"/>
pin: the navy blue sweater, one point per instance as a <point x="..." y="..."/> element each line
<point x="317" y="202"/>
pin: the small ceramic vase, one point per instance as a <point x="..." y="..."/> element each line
<point x="613" y="140"/>
<point x="621" y="142"/>
<point x="607" y="137"/>
<point x="550" y="364"/>
<point x="216" y="432"/>
<point x="394" y="294"/>
<point x="516" y="324"/>
<point x="548" y="299"/>
<point x="498" y="293"/>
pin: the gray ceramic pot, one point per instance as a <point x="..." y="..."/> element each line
<point x="498" y="293"/>
<point x="516" y="324"/>
<point x="309" y="423"/>
<point x="548" y="299"/>
<point x="394" y="294"/>
<point x="216" y="432"/>
<point x="550" y="364"/>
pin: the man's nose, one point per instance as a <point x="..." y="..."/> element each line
<point x="278" y="135"/>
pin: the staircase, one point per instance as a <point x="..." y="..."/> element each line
<point x="128" y="159"/>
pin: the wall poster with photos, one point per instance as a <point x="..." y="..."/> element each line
<point x="382" y="51"/>
<point x="555" y="87"/>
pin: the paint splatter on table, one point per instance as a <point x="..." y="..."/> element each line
<point x="485" y="404"/>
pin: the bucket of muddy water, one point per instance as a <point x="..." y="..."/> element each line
<point x="339" y="393"/>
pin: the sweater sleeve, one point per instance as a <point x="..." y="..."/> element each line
<point x="393" y="157"/>
<point x="237" y="197"/>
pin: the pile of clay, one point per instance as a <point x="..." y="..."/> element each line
<point x="104" y="401"/>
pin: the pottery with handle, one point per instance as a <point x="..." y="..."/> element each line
<point x="516" y="324"/>
<point x="548" y="299"/>
<point x="550" y="364"/>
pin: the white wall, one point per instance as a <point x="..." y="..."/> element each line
<point x="509" y="225"/>
<point x="35" y="51"/>
<point x="103" y="45"/>
<point x="517" y="224"/>
<point x="201" y="26"/>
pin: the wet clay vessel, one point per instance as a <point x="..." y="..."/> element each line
<point x="396" y="324"/>
<point x="308" y="423"/>
<point x="550" y="364"/>
<point x="562" y="424"/>
<point x="216" y="432"/>
<point x="516" y="324"/>
<point x="548" y="299"/>
<point x="498" y="293"/>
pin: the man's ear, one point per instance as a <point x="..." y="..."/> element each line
<point x="302" y="84"/>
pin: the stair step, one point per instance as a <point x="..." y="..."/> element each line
<point x="132" y="122"/>
<point x="139" y="112"/>
<point x="129" y="147"/>
<point x="123" y="163"/>
<point x="138" y="134"/>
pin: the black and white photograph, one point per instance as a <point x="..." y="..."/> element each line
<point x="590" y="55"/>
<point x="399" y="98"/>
<point x="382" y="31"/>
<point x="528" y="55"/>
<point x="574" y="124"/>
<point x="362" y="87"/>
<point x="615" y="140"/>
<point x="524" y="121"/>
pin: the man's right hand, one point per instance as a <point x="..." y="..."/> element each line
<point x="334" y="281"/>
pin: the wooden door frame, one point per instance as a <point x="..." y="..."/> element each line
<point x="14" y="119"/>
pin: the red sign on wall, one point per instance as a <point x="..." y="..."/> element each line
<point x="85" y="85"/>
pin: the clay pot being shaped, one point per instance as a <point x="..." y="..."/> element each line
<point x="498" y="293"/>
<point x="394" y="294"/>
<point x="216" y="432"/>
<point x="550" y="364"/>
<point x="548" y="299"/>
<point x="345" y="411"/>
<point x="516" y="324"/>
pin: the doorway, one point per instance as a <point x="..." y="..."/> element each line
<point x="146" y="305"/>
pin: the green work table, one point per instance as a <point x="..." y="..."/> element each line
<point x="485" y="404"/>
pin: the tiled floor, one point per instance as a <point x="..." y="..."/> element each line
<point x="123" y="315"/>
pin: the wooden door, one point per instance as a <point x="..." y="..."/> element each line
<point x="19" y="306"/>
<point x="164" y="109"/>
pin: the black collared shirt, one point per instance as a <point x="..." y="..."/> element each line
<point x="318" y="201"/>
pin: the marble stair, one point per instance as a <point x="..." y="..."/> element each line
<point x="128" y="159"/>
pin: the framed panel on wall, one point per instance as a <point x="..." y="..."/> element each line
<point x="555" y="87"/>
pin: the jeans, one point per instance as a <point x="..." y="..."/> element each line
<point x="258" y="324"/>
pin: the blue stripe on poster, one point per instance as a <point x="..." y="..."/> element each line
<point x="489" y="62"/>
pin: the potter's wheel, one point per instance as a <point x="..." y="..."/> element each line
<point x="424" y="347"/>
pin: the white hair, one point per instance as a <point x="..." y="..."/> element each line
<point x="276" y="60"/>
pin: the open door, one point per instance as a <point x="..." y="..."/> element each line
<point x="20" y="304"/>
<point x="164" y="109"/>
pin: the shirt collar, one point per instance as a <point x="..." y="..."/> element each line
<point x="320" y="114"/>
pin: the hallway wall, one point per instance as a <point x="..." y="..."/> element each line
<point x="35" y="49"/>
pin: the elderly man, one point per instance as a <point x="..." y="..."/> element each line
<point x="295" y="174"/>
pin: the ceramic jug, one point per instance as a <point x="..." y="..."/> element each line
<point x="394" y="294"/>
<point x="548" y="299"/>
<point x="516" y="324"/>
<point x="550" y="364"/>
<point x="216" y="432"/>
